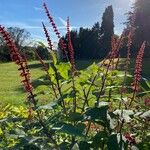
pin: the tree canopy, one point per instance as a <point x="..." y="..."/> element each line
<point x="141" y="16"/>
<point x="20" y="37"/>
<point x="95" y="42"/>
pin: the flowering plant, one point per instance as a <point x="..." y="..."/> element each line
<point x="96" y="108"/>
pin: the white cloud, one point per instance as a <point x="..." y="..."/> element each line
<point x="132" y="1"/>
<point x="20" y="24"/>
<point x="37" y="38"/>
<point x="63" y="21"/>
<point x="34" y="27"/>
<point x="38" y="9"/>
<point x="65" y="25"/>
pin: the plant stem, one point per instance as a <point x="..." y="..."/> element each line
<point x="74" y="90"/>
<point x="46" y="70"/>
<point x="59" y="89"/>
<point x="103" y="83"/>
<point x="88" y="128"/>
<point x="45" y="129"/>
<point x="88" y="92"/>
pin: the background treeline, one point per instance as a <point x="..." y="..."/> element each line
<point x="22" y="40"/>
<point x="95" y="42"/>
<point x="141" y="14"/>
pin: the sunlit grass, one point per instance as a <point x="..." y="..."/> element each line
<point x="11" y="90"/>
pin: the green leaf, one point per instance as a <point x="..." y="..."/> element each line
<point x="20" y="132"/>
<point x="42" y="89"/>
<point x="93" y="68"/>
<point x="145" y="84"/>
<point x="51" y="105"/>
<point x="144" y="145"/>
<point x="70" y="129"/>
<point x="141" y="94"/>
<point x="75" y="116"/>
<point x="148" y="83"/>
<point x="113" y="142"/>
<point x="145" y="115"/>
<point x="32" y="140"/>
<point x="83" y="145"/>
<point x="97" y="113"/>
<point x="53" y="54"/>
<point x="64" y="146"/>
<point x="3" y="120"/>
<point x="75" y="147"/>
<point x="51" y="70"/>
<point x="99" y="139"/>
<point x="124" y="114"/>
<point x="83" y="78"/>
<point x="81" y="126"/>
<point x="112" y="87"/>
<point x="63" y="69"/>
<point x="41" y="44"/>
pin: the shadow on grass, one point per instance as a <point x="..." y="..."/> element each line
<point x="43" y="80"/>
<point x="80" y="64"/>
<point x="83" y="64"/>
<point x="36" y="65"/>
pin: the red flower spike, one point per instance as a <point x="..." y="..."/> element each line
<point x="18" y="59"/>
<point x="70" y="46"/>
<point x="51" y="20"/>
<point x="138" y="68"/>
<point x="42" y="62"/>
<point x="47" y="36"/>
<point x="115" y="46"/>
<point x="130" y="139"/>
<point x="147" y="101"/>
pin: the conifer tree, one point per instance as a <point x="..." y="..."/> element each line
<point x="141" y="13"/>
<point x="107" y="29"/>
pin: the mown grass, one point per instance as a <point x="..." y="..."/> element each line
<point x="11" y="90"/>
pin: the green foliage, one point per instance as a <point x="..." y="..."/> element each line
<point x="43" y="52"/>
<point x="88" y="126"/>
<point x="20" y="37"/>
<point x="95" y="108"/>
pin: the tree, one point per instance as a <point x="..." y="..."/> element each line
<point x="43" y="53"/>
<point x="141" y="16"/>
<point x="107" y="30"/>
<point x="85" y="43"/>
<point x="95" y="42"/>
<point x="96" y="29"/>
<point x="20" y="36"/>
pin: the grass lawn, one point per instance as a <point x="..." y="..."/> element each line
<point x="11" y="90"/>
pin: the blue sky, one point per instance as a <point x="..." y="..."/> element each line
<point x="28" y="14"/>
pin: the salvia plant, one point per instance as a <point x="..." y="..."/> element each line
<point x="98" y="108"/>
